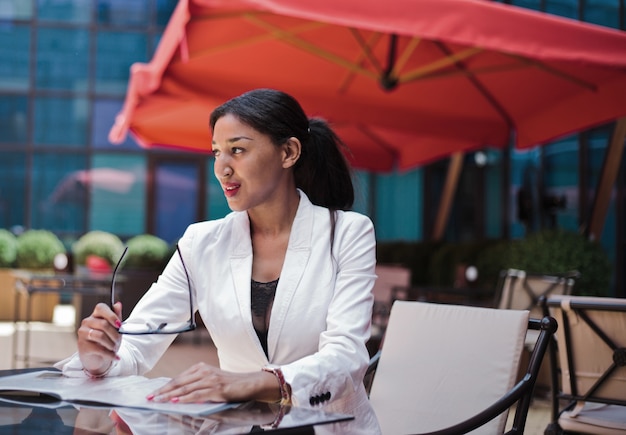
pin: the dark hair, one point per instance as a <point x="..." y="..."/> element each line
<point x="322" y="171"/>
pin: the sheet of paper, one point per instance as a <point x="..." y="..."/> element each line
<point x="121" y="391"/>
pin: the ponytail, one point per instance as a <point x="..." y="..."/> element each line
<point x="322" y="172"/>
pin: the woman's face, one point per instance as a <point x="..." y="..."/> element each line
<point x="249" y="167"/>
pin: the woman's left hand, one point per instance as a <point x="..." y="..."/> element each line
<point x="203" y="382"/>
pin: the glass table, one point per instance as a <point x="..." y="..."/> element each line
<point x="39" y="414"/>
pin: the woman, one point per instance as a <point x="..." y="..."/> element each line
<point x="283" y="283"/>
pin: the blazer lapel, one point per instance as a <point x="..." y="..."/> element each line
<point x="241" y="271"/>
<point x="296" y="259"/>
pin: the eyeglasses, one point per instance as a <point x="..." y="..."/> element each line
<point x="136" y="327"/>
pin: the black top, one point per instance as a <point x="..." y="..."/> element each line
<point x="261" y="301"/>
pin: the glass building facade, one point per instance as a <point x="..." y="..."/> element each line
<point x="64" y="67"/>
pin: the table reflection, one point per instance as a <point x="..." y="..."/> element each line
<point x="249" y="417"/>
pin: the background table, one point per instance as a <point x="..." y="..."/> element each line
<point x="29" y="284"/>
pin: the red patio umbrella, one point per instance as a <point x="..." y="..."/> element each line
<point x="403" y="81"/>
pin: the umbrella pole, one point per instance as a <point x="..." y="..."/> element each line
<point x="610" y="170"/>
<point x="452" y="180"/>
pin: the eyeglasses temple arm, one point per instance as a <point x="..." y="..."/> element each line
<point x="117" y="266"/>
<point x="191" y="316"/>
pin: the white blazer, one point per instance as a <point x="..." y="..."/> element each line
<point x="320" y="319"/>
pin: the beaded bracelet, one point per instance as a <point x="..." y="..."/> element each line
<point x="284" y="392"/>
<point x="277" y="419"/>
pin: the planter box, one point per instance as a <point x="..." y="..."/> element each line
<point x="42" y="304"/>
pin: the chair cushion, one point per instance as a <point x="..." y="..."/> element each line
<point x="596" y="418"/>
<point x="441" y="364"/>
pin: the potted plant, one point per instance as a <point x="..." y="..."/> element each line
<point x="147" y="252"/>
<point x="8" y="254"/>
<point x="35" y="251"/>
<point x="146" y="257"/>
<point x="101" y="244"/>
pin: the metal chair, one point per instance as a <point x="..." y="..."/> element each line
<point x="521" y="290"/>
<point x="591" y="349"/>
<point x="451" y="369"/>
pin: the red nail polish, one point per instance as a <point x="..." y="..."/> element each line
<point x="150" y="396"/>
<point x="118" y="323"/>
<point x="174" y="400"/>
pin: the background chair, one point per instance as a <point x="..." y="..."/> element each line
<point x="591" y="347"/>
<point x="392" y="281"/>
<point x="454" y="367"/>
<point x="521" y="290"/>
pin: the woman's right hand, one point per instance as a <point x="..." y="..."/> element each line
<point x="99" y="339"/>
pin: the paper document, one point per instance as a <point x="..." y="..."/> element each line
<point x="115" y="391"/>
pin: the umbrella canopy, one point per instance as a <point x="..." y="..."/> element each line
<point x="404" y="82"/>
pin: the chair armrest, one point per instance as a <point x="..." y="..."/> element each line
<point x="371" y="368"/>
<point x="368" y="379"/>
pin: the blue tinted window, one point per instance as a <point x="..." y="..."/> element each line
<point x="124" y="12"/>
<point x="362" y="182"/>
<point x="560" y="177"/>
<point x="116" y="52"/>
<point x="602" y="12"/>
<point x="598" y="142"/>
<point x="14" y="57"/>
<point x="62" y="59"/>
<point x="493" y="193"/>
<point x="564" y="8"/>
<point x="529" y="4"/>
<point x="217" y="207"/>
<point x="399" y="190"/>
<point x="16" y="9"/>
<point x="13" y="118"/>
<point x="75" y="11"/>
<point x="61" y="121"/>
<point x="104" y="113"/>
<point x="176" y="192"/>
<point x="525" y="167"/>
<point x="118" y="199"/>
<point x="12" y="189"/>
<point x="164" y="11"/>
<point x="58" y="199"/>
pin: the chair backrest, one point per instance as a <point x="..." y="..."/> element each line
<point x="591" y="347"/>
<point x="441" y="364"/>
<point x="520" y="290"/>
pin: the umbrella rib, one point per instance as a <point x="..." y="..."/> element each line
<point x="254" y="40"/>
<point x="383" y="144"/>
<point x="292" y="39"/>
<point x="555" y="72"/>
<point x="367" y="52"/>
<point x="451" y="59"/>
<point x="406" y="55"/>
<point x="479" y="86"/>
<point x="360" y="59"/>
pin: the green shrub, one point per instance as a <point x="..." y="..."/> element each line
<point x="446" y="260"/>
<point x="8" y="248"/>
<point x="36" y="249"/>
<point x="147" y="251"/>
<point x="101" y="243"/>
<point x="559" y="251"/>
